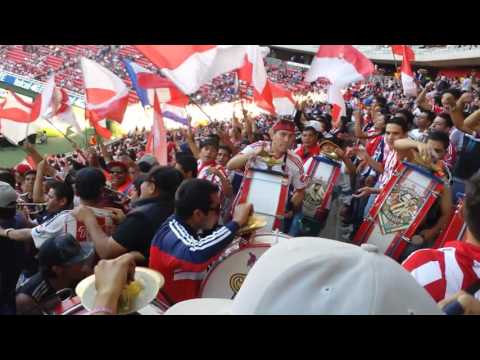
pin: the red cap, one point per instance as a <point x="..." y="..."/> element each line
<point x="22" y="168"/>
<point x="285" y="125"/>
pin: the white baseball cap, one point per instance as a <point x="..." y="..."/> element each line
<point x="316" y="276"/>
<point x="314" y="124"/>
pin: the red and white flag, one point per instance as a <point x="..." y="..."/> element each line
<point x="54" y="102"/>
<point x="282" y="99"/>
<point x="106" y="95"/>
<point x="16" y="118"/>
<point x="399" y="50"/>
<point x="253" y="72"/>
<point x="408" y="78"/>
<point x="166" y="90"/>
<point x="340" y="64"/>
<point x="191" y="66"/>
<point x="157" y="144"/>
<point x="16" y="109"/>
<point x="336" y="100"/>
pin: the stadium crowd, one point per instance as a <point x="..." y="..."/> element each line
<point x="109" y="207"/>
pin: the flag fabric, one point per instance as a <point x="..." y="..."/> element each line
<point x="191" y="66"/>
<point x="54" y="102"/>
<point x="399" y="50"/>
<point x="133" y="71"/>
<point x="408" y="81"/>
<point x="335" y="98"/>
<point x="175" y="113"/>
<point x="282" y="99"/>
<point x="340" y="64"/>
<point x="106" y="95"/>
<point x="165" y="89"/>
<point x="253" y="72"/>
<point x="158" y="143"/>
<point x="15" y="131"/>
<point x="16" y="109"/>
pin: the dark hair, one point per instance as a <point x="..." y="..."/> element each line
<point x="139" y="181"/>
<point x="7" y="176"/>
<point x="408" y="115"/>
<point x="194" y="194"/>
<point x="30" y="172"/>
<point x="472" y="205"/>
<point x="381" y="100"/>
<point x="430" y="115"/>
<point x="188" y="163"/>
<point x="210" y="141"/>
<point x="456" y="93"/>
<point x="166" y="179"/>
<point x="327" y="121"/>
<point x="398" y="121"/>
<point x="63" y="190"/>
<point x="447" y="118"/>
<point x="144" y="166"/>
<point x="226" y="148"/>
<point x="89" y="183"/>
<point x="439" y="136"/>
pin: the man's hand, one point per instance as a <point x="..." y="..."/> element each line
<point x="118" y="216"/>
<point x="111" y="276"/>
<point x="424" y="151"/>
<point x="82" y="213"/>
<point x="429" y="86"/>
<point x="242" y="213"/>
<point x="364" y="191"/>
<point x="466" y="98"/>
<point x="471" y="306"/>
<point x="340" y="153"/>
<point x="429" y="235"/>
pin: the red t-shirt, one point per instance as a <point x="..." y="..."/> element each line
<point x="305" y="155"/>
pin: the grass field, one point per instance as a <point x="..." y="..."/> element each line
<point x="11" y="156"/>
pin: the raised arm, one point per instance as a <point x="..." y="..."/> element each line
<point x="422" y="101"/>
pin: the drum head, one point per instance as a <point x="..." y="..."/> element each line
<point x="269" y="238"/>
<point x="226" y="278"/>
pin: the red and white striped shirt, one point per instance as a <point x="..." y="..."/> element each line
<point x="292" y="166"/>
<point x="389" y="165"/>
<point x="445" y="271"/>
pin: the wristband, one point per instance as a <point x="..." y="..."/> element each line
<point x="101" y="310"/>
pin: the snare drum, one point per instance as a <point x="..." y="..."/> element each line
<point x="268" y="192"/>
<point x="226" y="277"/>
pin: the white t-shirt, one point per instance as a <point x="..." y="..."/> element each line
<point x="64" y="222"/>
<point x="292" y="167"/>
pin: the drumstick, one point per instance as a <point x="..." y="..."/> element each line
<point x="455" y="308"/>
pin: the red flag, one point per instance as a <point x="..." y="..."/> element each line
<point x="16" y="109"/>
<point x="253" y="72"/>
<point x="399" y="50"/>
<point x="159" y="134"/>
<point x="166" y="89"/>
<point x="408" y="79"/>
<point x="191" y="66"/>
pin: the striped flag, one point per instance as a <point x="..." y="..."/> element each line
<point x="158" y="142"/>
<point x="191" y="66"/>
<point x="408" y="81"/>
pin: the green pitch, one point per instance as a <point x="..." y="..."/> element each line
<point x="10" y="156"/>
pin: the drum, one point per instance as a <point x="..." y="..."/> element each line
<point x="68" y="304"/>
<point x="268" y="238"/>
<point x="399" y="209"/>
<point x="268" y="192"/>
<point x="154" y="308"/>
<point x="456" y="229"/>
<point x="226" y="277"/>
<point x="324" y="174"/>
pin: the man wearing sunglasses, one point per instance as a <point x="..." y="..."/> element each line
<point x="190" y="241"/>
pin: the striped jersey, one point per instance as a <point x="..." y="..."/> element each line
<point x="183" y="256"/>
<point x="445" y="271"/>
<point x="292" y="165"/>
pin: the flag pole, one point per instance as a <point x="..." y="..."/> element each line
<point x="73" y="143"/>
